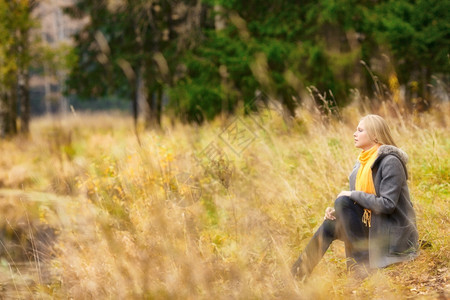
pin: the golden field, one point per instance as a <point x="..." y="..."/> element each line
<point x="197" y="212"/>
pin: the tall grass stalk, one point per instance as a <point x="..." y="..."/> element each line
<point x="128" y="227"/>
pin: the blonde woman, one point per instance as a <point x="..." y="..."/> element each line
<point x="375" y="219"/>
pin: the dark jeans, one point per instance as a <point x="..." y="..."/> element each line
<point x="347" y="227"/>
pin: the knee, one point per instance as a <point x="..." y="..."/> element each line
<point x="329" y="228"/>
<point x="342" y="202"/>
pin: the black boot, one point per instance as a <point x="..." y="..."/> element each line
<point x="299" y="270"/>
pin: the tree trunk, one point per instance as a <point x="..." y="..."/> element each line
<point x="13" y="109"/>
<point x="3" y="112"/>
<point x="24" y="96"/>
<point x="134" y="98"/>
<point x="426" y="99"/>
<point x="154" y="100"/>
<point x="8" y="113"/>
<point x="159" y="95"/>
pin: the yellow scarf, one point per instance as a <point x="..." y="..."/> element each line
<point x="364" y="181"/>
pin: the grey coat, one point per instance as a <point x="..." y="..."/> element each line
<point x="393" y="233"/>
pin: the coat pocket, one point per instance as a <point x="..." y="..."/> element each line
<point x="402" y="240"/>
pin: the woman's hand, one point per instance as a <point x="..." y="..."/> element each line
<point x="329" y="214"/>
<point x="345" y="193"/>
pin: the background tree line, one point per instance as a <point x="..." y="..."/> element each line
<point x="15" y="60"/>
<point x="194" y="60"/>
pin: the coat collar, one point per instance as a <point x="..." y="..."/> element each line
<point x="386" y="150"/>
<point x="389" y="149"/>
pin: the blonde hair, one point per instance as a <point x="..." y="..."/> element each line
<point x="378" y="130"/>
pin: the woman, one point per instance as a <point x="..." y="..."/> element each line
<point x="375" y="219"/>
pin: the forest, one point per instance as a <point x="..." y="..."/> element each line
<point x="195" y="60"/>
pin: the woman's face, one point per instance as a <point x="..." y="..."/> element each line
<point x="362" y="139"/>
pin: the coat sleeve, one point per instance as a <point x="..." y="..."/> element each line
<point x="393" y="178"/>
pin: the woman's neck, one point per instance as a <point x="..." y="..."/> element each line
<point x="369" y="147"/>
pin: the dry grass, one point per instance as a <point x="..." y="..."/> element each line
<point x="158" y="220"/>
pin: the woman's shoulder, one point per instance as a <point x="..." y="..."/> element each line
<point x="391" y="159"/>
<point x="388" y="150"/>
